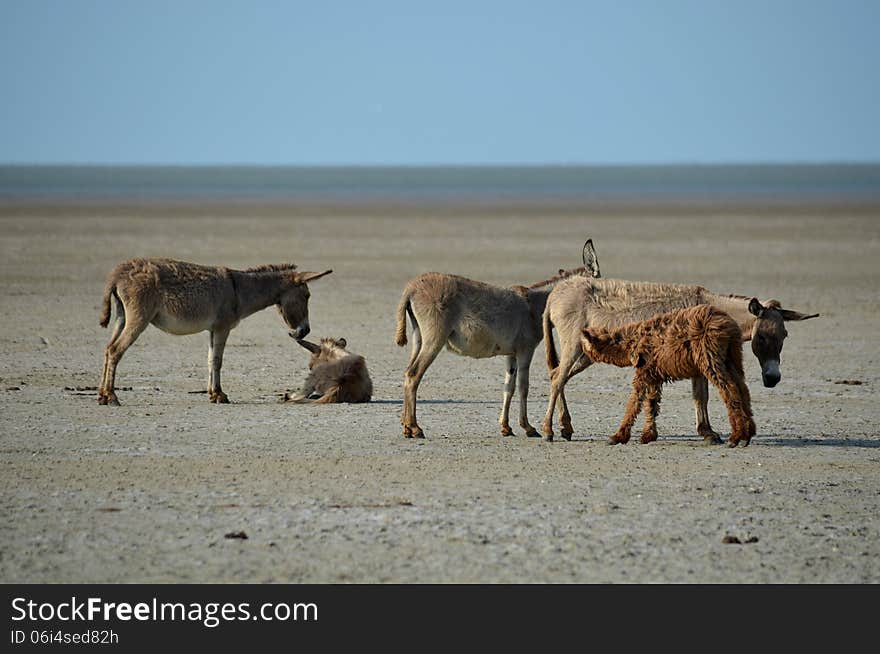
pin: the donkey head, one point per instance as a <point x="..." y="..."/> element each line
<point x="768" y="334"/>
<point x="294" y="302"/>
<point x="330" y="349"/>
<point x="603" y="346"/>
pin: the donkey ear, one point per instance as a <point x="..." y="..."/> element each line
<point x="341" y="342"/>
<point x="311" y="347"/>
<point x="591" y="261"/>
<point x="796" y="315"/>
<point x="755" y="307"/>
<point x="304" y="277"/>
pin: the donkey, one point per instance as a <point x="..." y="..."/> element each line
<point x="478" y="320"/>
<point x="185" y="298"/>
<point x="700" y="341"/>
<point x="336" y="375"/>
<point x="579" y="302"/>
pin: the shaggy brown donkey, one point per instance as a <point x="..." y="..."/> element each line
<point x="697" y="341"/>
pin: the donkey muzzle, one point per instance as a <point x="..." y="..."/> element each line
<point x="770" y="374"/>
<point x="300" y="332"/>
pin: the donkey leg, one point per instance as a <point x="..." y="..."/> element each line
<point x="633" y="406"/>
<point x="118" y="325"/>
<point x="746" y="399"/>
<point x="414" y="354"/>
<point x="558" y="378"/>
<point x="523" y="363"/>
<point x="134" y="326"/>
<point x="651" y="404"/>
<point x="218" y="344"/>
<point x="416" y="342"/>
<point x="509" y="388"/>
<point x="565" y="425"/>
<point x="547" y="423"/>
<point x="732" y="397"/>
<point x="700" y="394"/>
<point x="431" y="346"/>
<point x="304" y="394"/>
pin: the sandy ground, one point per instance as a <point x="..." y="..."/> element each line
<point x="146" y="492"/>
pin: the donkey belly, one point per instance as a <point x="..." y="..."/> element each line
<point x="183" y="326"/>
<point x="478" y="344"/>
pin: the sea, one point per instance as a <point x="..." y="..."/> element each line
<point x="820" y="183"/>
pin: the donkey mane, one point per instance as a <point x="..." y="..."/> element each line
<point x="562" y="275"/>
<point x="271" y="267"/>
<point x="634" y="293"/>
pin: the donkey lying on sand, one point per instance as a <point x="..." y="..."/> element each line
<point x="579" y="302"/>
<point x="336" y="375"/>
<point x="698" y="341"/>
<point x="185" y="298"/>
<point x="477" y="320"/>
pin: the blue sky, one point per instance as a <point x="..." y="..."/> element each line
<point x="382" y="82"/>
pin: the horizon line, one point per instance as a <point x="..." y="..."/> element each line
<point x="671" y="164"/>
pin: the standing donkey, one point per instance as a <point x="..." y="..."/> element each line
<point x="579" y="303"/>
<point x="185" y="298"/>
<point x="478" y="320"/>
<point x="700" y="341"/>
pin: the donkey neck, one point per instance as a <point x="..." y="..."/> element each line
<point x="628" y="334"/>
<point x="256" y="290"/>
<point x="737" y="307"/>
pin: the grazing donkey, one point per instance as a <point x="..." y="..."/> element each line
<point x="477" y="320"/>
<point x="185" y="298"/>
<point x="700" y="341"/>
<point x="579" y="302"/>
<point x="336" y="375"/>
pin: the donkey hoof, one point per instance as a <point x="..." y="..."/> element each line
<point x="222" y="398"/>
<point x="648" y="438"/>
<point x="506" y="430"/>
<point x="102" y="400"/>
<point x="547" y="438"/>
<point x="708" y="432"/>
<point x="712" y="439"/>
<point x="418" y="433"/>
<point x="531" y="432"/>
<point x="112" y="400"/>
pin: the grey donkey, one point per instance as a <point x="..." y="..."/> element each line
<point x="185" y="298"/>
<point x="478" y="320"/>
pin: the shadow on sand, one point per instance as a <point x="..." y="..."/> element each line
<point x="760" y="441"/>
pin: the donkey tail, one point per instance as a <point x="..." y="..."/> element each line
<point x="109" y="290"/>
<point x="402" y="308"/>
<point x="549" y="345"/>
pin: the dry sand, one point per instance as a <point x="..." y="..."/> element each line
<point x="146" y="492"/>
